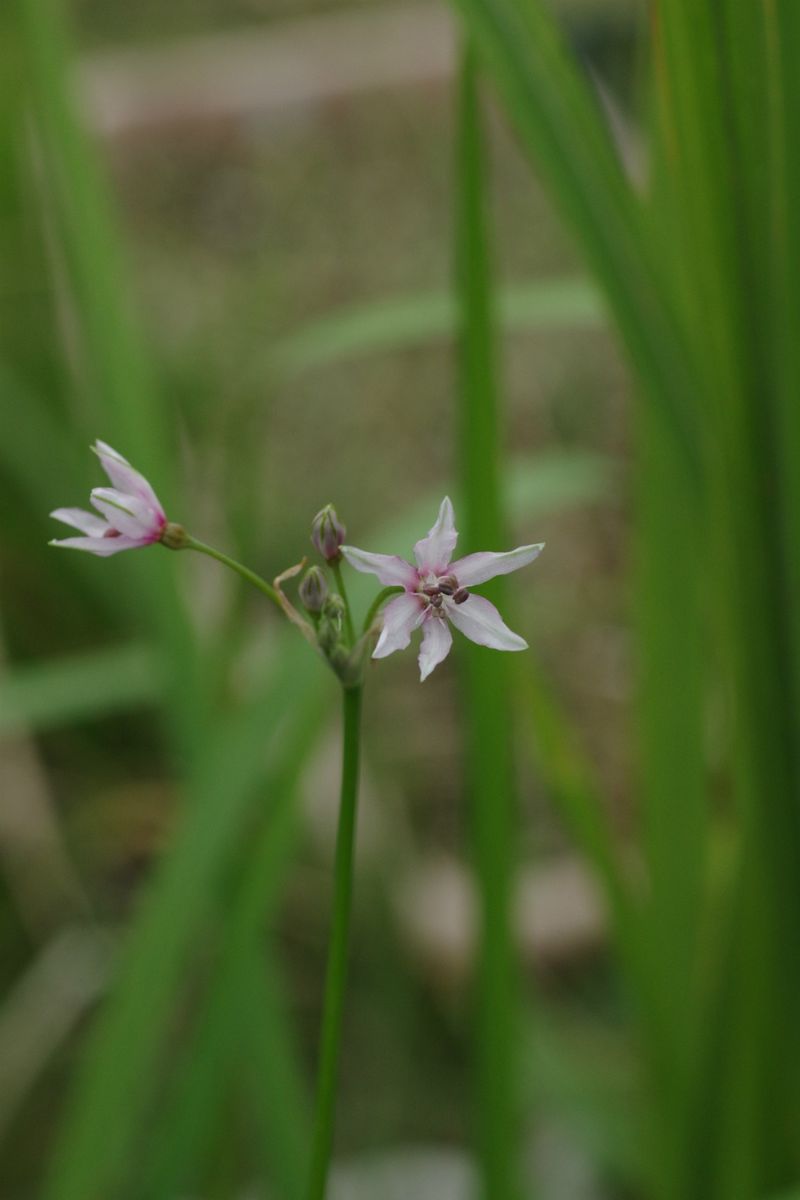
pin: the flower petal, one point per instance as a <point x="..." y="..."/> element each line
<point x="434" y="552"/>
<point x="392" y="570"/>
<point x="478" y="618"/>
<point x="436" y="642"/>
<point x="477" y="568"/>
<point x="129" y="514"/>
<point x="401" y="617"/>
<point x="79" y="518"/>
<point x="104" y="547"/>
<point x="126" y="478"/>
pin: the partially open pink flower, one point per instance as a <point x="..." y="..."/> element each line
<point x="131" y="513"/>
<point x="436" y="591"/>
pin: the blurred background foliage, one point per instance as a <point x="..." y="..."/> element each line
<point x="230" y="235"/>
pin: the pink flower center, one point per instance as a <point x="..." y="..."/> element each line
<point x="441" y="588"/>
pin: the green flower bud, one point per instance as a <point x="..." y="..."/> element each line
<point x="330" y="625"/>
<point x="313" y="591"/>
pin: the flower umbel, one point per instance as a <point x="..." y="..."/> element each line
<point x="130" y="512"/>
<point x="436" y="591"/>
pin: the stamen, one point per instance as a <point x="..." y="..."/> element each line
<point x="461" y="595"/>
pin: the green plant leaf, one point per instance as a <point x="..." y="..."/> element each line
<point x="488" y="721"/>
<point x="63" y="691"/>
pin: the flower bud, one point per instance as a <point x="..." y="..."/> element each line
<point x="313" y="591"/>
<point x="330" y="625"/>
<point x="328" y="533"/>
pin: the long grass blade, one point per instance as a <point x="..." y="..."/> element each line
<point x="121" y="403"/>
<point x="559" y="124"/>
<point x="63" y="691"/>
<point x="670" y="708"/>
<point x="487" y="698"/>
<point x="711" y="57"/>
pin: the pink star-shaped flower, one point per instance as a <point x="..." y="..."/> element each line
<point x="131" y="513"/>
<point x="436" y="591"/>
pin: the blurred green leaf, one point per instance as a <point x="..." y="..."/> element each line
<point x="585" y="1076"/>
<point x="118" y="1070"/>
<point x="403" y="322"/>
<point x="120" y="399"/>
<point x="274" y="1081"/>
<point x="574" y="790"/>
<point x="559" y="122"/>
<point x="242" y="1024"/>
<point x="726" y="123"/>
<point x="554" y="480"/>
<point x="670" y="711"/>
<point x="62" y="691"/>
<point x="491" y="791"/>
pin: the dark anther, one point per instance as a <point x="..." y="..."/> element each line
<point x="461" y="595"/>
<point x="448" y="585"/>
<point x="430" y="591"/>
<point x="436" y="601"/>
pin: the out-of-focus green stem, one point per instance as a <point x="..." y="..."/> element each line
<point x="348" y="616"/>
<point x="487" y="676"/>
<point x="239" y="568"/>
<point x="378" y="603"/>
<point x="331" y="1038"/>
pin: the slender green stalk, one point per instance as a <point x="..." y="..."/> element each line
<point x="245" y="572"/>
<point x="331" y="1038"/>
<point x="488" y="684"/>
<point x="378" y="603"/>
<point x="348" y="616"/>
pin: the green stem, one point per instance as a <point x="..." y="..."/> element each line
<point x="337" y="955"/>
<point x="348" y="617"/>
<point x="245" y="572"/>
<point x="377" y="603"/>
